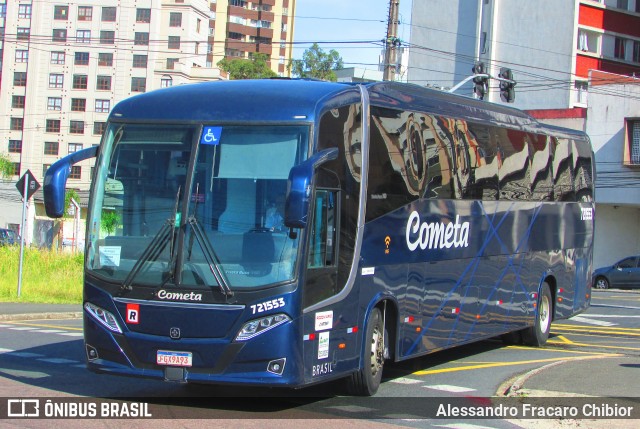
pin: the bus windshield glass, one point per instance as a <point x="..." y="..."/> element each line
<point x="161" y="214"/>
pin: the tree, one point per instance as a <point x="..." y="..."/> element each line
<point x="6" y="167"/>
<point x="317" y="64"/>
<point x="255" y="67"/>
<point x="109" y="221"/>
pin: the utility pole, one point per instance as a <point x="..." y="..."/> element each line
<point x="392" y="42"/>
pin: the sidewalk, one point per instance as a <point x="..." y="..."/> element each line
<point x="30" y="311"/>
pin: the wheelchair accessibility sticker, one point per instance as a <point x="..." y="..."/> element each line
<point x="211" y="135"/>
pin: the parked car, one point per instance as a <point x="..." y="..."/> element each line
<point x="8" y="236"/>
<point x="623" y="274"/>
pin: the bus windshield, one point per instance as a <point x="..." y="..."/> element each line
<point x="162" y="214"/>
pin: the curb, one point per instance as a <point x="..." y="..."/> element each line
<point x="514" y="387"/>
<point x="41" y="316"/>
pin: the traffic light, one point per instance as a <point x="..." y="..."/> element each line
<point x="480" y="82"/>
<point x="507" y="87"/>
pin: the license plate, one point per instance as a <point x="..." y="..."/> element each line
<point x="165" y="357"/>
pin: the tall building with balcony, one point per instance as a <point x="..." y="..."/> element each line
<point x="241" y="28"/>
<point x="550" y="45"/>
<point x="65" y="64"/>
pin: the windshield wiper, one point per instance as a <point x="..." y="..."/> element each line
<point x="210" y="255"/>
<point x="166" y="235"/>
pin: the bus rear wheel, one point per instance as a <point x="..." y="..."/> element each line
<point x="538" y="334"/>
<point x="366" y="380"/>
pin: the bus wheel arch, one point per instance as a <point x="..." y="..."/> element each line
<point x="378" y="340"/>
<point x="538" y="334"/>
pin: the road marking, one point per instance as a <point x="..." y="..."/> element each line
<point x="564" y="339"/>
<point x="616" y="306"/>
<point x="463" y="426"/>
<point x="73" y="334"/>
<point x="22" y="328"/>
<point x="611" y="316"/>
<point x="405" y="380"/>
<point x="592" y="322"/>
<point x="578" y="352"/>
<point x="44" y="325"/>
<point x="629" y="332"/>
<point x="523" y="362"/>
<point x="2" y="350"/>
<point x="449" y="388"/>
<point x="49" y="331"/>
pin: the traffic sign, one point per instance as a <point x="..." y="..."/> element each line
<point x="31" y="182"/>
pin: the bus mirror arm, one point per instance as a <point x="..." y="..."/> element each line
<point x="55" y="180"/>
<point x="296" y="209"/>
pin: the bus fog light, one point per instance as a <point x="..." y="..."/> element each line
<point x="92" y="353"/>
<point x="104" y="317"/>
<point x="259" y="326"/>
<point x="277" y="366"/>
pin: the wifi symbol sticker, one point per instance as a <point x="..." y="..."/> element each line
<point x="387" y="242"/>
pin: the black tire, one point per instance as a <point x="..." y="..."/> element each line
<point x="538" y="334"/>
<point x="366" y="380"/>
<point x="602" y="283"/>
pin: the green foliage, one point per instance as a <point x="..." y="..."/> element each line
<point x="255" y="67"/>
<point x="6" y="167"/>
<point x="317" y="64"/>
<point x="68" y="195"/>
<point x="47" y="276"/>
<point x="110" y="221"/>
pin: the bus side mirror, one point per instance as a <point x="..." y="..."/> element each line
<point x="55" y="180"/>
<point x="296" y="209"/>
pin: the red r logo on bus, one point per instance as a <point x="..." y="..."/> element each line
<point x="133" y="313"/>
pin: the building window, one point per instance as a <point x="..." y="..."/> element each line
<point x="175" y="19"/>
<point x="141" y="39"/>
<point x="143" y="15"/>
<point x="107" y="37"/>
<point x="83" y="36"/>
<point x="16" y="168"/>
<point x="139" y="61"/>
<point x="103" y="83"/>
<point x="23" y="33"/>
<point x="99" y="127"/>
<point x="109" y="14"/>
<point x="56" y="80"/>
<point x="51" y="148"/>
<point x="105" y="59"/>
<point x="15" y="146"/>
<point x="78" y="104"/>
<point x="85" y="13"/>
<point x="61" y="12"/>
<point x="53" y="126"/>
<point x="76" y="127"/>
<point x="22" y="56"/>
<point x="619" y="48"/>
<point x="76" y="172"/>
<point x="103" y="106"/>
<point x="171" y="63"/>
<point x="636" y="49"/>
<point x="3" y="10"/>
<point x="633" y="136"/>
<point x="81" y="59"/>
<point x="75" y="147"/>
<point x="17" y="124"/>
<point x="79" y="81"/>
<point x="17" y="101"/>
<point x="166" y="82"/>
<point x="138" y="84"/>
<point x="54" y="103"/>
<point x="174" y="42"/>
<point x="24" y="11"/>
<point x="19" y="78"/>
<point x="59" y="35"/>
<point x="57" y="57"/>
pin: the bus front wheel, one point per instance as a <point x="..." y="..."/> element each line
<point x="538" y="334"/>
<point x="366" y="380"/>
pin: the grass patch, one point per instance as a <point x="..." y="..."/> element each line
<point x="47" y="276"/>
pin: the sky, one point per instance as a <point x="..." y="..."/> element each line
<point x="333" y="22"/>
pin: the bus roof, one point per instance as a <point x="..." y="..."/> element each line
<point x="287" y="100"/>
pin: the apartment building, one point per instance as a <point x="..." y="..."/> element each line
<point x="241" y="28"/>
<point x="550" y="45"/>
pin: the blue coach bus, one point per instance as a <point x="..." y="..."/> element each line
<point x="291" y="232"/>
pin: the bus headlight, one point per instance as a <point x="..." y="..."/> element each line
<point x="259" y="326"/>
<point x="105" y="318"/>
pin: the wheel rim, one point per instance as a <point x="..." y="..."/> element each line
<point x="601" y="283"/>
<point x="544" y="313"/>
<point x="377" y="350"/>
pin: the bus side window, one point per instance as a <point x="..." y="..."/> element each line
<point x="324" y="227"/>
